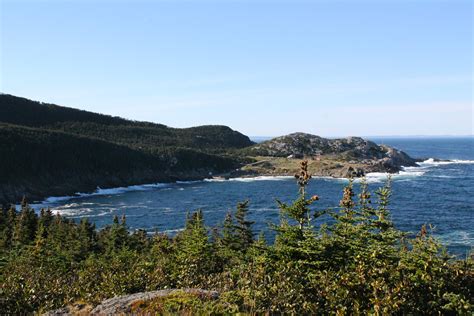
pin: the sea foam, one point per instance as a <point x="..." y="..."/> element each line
<point x="250" y="179"/>
<point x="433" y="162"/>
<point x="52" y="200"/>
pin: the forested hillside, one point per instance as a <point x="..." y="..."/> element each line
<point x="21" y="111"/>
<point x="53" y="150"/>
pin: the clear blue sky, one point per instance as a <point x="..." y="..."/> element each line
<point x="333" y="68"/>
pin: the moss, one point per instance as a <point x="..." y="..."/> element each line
<point x="184" y="303"/>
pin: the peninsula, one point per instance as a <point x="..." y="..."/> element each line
<point x="340" y="158"/>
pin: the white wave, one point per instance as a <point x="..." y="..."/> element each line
<point x="119" y="190"/>
<point x="262" y="178"/>
<point x="215" y="180"/>
<point x="171" y="231"/>
<point x="56" y="199"/>
<point x="52" y="200"/>
<point x="72" y="212"/>
<point x="409" y="173"/>
<point x="381" y="177"/>
<point x="458" y="237"/>
<point x="189" y="182"/>
<point x="91" y="215"/>
<point x="72" y="205"/>
<point x="251" y="179"/>
<point x="433" y="162"/>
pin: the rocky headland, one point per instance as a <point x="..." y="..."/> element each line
<point x="341" y="158"/>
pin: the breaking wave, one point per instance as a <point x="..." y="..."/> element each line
<point x="111" y="191"/>
<point x="252" y="179"/>
<point x="434" y="162"/>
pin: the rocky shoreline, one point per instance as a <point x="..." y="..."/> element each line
<point x="271" y="166"/>
<point x="339" y="158"/>
<point x="15" y="193"/>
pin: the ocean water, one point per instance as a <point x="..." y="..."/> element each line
<point x="437" y="193"/>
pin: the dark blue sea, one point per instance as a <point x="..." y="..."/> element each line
<point x="436" y="193"/>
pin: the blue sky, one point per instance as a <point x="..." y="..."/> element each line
<point x="332" y="68"/>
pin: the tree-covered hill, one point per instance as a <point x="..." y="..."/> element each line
<point x="48" y="150"/>
<point x="39" y="163"/>
<point x="21" y="111"/>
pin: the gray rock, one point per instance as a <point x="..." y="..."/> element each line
<point x="351" y="149"/>
<point x="122" y="304"/>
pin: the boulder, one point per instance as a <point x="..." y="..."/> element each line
<point x="123" y="304"/>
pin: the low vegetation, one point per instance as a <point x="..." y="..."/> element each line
<point x="356" y="263"/>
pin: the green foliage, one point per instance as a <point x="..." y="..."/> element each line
<point x="58" y="163"/>
<point x="193" y="253"/>
<point x="182" y="303"/>
<point x="236" y="237"/>
<point x="357" y="263"/>
<point x="140" y="135"/>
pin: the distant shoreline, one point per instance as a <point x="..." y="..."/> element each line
<point x="259" y="139"/>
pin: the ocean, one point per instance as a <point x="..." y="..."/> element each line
<point x="440" y="194"/>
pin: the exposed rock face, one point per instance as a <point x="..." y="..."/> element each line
<point x="123" y="304"/>
<point x="344" y="157"/>
<point x="302" y="144"/>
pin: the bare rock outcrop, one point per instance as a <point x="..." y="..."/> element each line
<point x="355" y="155"/>
<point x="123" y="304"/>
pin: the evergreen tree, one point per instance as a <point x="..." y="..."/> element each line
<point x="25" y="226"/>
<point x="193" y="253"/>
<point x="87" y="237"/>
<point x="296" y="221"/>
<point x="243" y="227"/>
<point x="114" y="237"/>
<point x="228" y="244"/>
<point x="139" y="240"/>
<point x="9" y="220"/>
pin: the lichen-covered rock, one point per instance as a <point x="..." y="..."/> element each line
<point x="302" y="144"/>
<point x="355" y="156"/>
<point x="124" y="304"/>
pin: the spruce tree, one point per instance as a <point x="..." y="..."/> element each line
<point x="115" y="237"/>
<point x="243" y="227"/>
<point x="296" y="221"/>
<point x="7" y="231"/>
<point x="25" y="226"/>
<point x="228" y="243"/>
<point x="193" y="253"/>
